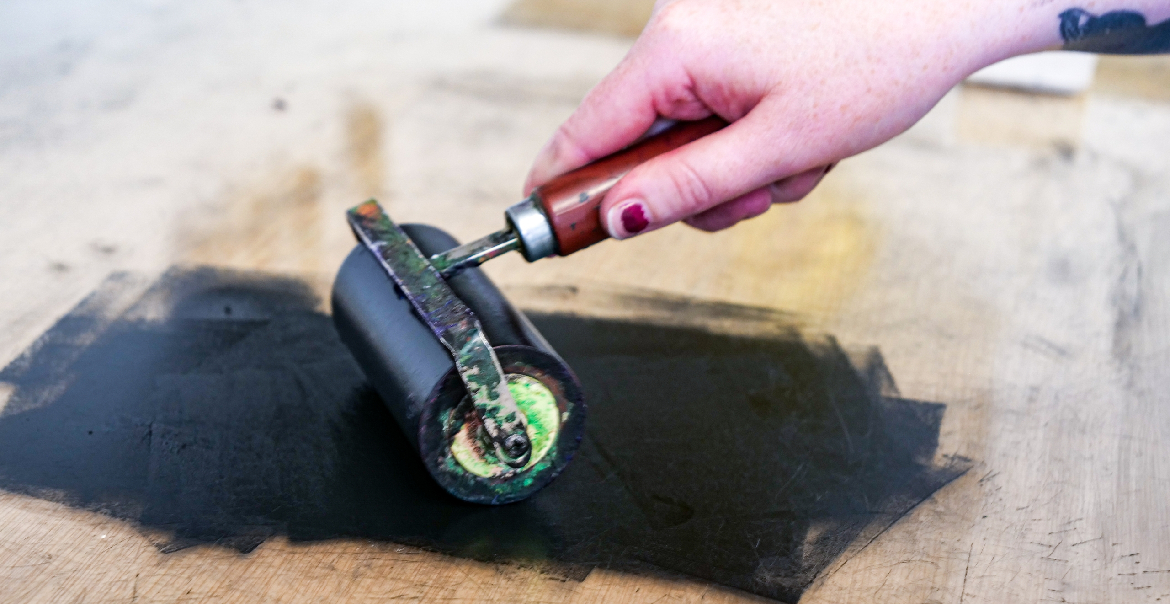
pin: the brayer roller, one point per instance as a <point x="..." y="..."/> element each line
<point x="494" y="413"/>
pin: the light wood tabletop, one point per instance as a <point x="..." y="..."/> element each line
<point x="940" y="378"/>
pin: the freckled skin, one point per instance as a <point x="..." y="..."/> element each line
<point x="805" y="84"/>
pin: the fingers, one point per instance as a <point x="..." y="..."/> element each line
<point x="724" y="215"/>
<point x="749" y="154"/>
<point x="795" y="188"/>
<point x="614" y="114"/>
<point x="728" y="213"/>
<point x="647" y="85"/>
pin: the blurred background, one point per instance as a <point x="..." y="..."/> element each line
<point x="136" y="135"/>
<point x="1007" y="254"/>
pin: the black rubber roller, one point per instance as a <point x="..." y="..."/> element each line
<point x="416" y="378"/>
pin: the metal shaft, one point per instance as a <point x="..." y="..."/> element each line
<point x="475" y="253"/>
<point x="528" y="230"/>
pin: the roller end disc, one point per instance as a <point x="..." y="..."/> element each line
<point x="551" y="398"/>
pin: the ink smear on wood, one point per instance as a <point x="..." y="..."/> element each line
<point x="221" y="408"/>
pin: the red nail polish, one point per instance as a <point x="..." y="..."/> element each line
<point x="634" y="218"/>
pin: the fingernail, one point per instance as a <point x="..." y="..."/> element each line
<point x="631" y="217"/>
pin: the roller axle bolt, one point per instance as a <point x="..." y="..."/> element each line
<point x="517" y="446"/>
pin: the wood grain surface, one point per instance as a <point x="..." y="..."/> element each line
<point x="1007" y="257"/>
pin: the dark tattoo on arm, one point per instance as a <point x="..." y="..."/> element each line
<point x="1120" y="32"/>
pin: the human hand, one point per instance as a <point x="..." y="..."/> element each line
<point x="804" y="83"/>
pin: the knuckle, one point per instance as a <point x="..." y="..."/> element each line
<point x="692" y="193"/>
<point x="569" y="148"/>
<point x="671" y="17"/>
<point x="679" y="102"/>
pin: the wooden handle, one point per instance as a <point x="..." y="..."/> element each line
<point x="571" y="200"/>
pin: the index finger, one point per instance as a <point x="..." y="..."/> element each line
<point x="616" y="113"/>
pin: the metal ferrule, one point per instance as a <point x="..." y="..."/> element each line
<point x="533" y="228"/>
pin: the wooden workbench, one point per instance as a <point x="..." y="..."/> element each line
<point x="981" y="303"/>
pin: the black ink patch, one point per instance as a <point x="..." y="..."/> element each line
<point x="1116" y="32"/>
<point x="221" y="408"/>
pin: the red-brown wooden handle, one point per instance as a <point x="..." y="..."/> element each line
<point x="571" y="200"/>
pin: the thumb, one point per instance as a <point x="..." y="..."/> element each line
<point x="741" y="158"/>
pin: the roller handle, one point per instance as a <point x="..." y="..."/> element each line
<point x="572" y="200"/>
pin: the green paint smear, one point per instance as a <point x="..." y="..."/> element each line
<point x="540" y="408"/>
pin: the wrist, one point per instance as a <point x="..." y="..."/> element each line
<point x="1112" y="26"/>
<point x="1014" y="28"/>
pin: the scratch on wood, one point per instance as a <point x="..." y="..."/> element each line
<point x="966" y="571"/>
<point x="988" y="476"/>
